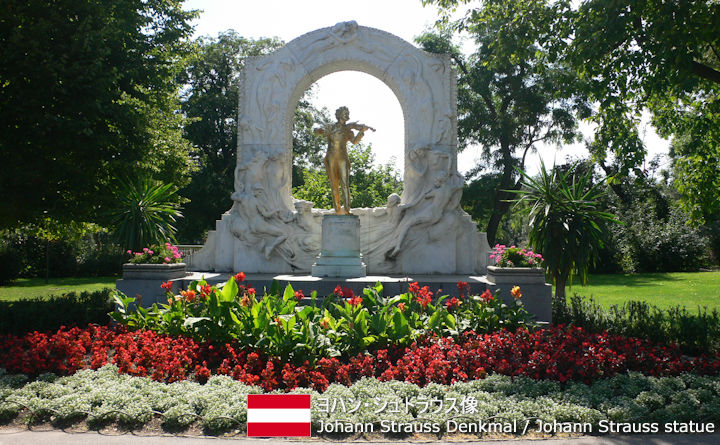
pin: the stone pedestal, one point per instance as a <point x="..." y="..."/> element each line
<point x="537" y="295"/>
<point x="340" y="248"/>
<point x="142" y="281"/>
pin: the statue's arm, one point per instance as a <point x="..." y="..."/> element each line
<point x="355" y="139"/>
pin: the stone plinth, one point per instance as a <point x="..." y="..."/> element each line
<point x="340" y="248"/>
<point x="537" y="295"/>
<point x="154" y="271"/>
<point x="142" y="281"/>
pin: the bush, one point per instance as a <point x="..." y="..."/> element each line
<point x="10" y="266"/>
<point x="46" y="314"/>
<point x="654" y="237"/>
<point x="91" y="254"/>
<point x="694" y="333"/>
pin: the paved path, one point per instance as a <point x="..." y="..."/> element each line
<point x="10" y="436"/>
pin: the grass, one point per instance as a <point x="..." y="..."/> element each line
<point x="36" y="287"/>
<point x="689" y="289"/>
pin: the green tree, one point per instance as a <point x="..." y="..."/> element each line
<point x="516" y="89"/>
<point x="370" y="185"/>
<point x="566" y="223"/>
<point x="663" y="55"/>
<point x="210" y="103"/>
<point x="87" y="93"/>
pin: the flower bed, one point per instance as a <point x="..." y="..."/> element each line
<point x="342" y="324"/>
<point x="105" y="396"/>
<point x="558" y="353"/>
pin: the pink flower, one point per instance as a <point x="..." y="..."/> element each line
<point x="150" y="252"/>
<point x="167" y="259"/>
<point x="129" y="251"/>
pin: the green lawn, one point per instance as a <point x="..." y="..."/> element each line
<point x="36" y="287"/>
<point x="664" y="290"/>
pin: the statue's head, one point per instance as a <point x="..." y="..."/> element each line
<point x="342" y="114"/>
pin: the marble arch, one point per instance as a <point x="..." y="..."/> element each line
<point x="422" y="232"/>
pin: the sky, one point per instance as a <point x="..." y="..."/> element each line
<point x="370" y="101"/>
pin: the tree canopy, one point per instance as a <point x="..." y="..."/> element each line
<point x="664" y="56"/>
<point x="209" y="101"/>
<point x="623" y="57"/>
<point x="515" y="90"/>
<point x="87" y="92"/>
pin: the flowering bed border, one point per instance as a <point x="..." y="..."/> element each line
<point x="105" y="396"/>
<point x="558" y="353"/>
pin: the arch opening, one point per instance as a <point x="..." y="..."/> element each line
<point x="376" y="162"/>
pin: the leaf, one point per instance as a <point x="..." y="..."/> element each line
<point x="191" y="321"/>
<point x="274" y="288"/>
<point x="289" y="293"/>
<point x="229" y="291"/>
<point x="435" y="320"/>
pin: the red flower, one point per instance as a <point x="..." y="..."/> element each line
<point x="167" y="286"/>
<point x="205" y="290"/>
<point x="452" y="303"/>
<point x="424" y="296"/>
<point x="188" y="294"/>
<point x="299" y="294"/>
<point x="239" y="277"/>
<point x="348" y="293"/>
<point x="355" y="301"/>
<point x="486" y="296"/>
<point x="463" y="287"/>
<point x="401" y="306"/>
<point x="414" y="288"/>
<point x="338" y="291"/>
<point x="251" y="291"/>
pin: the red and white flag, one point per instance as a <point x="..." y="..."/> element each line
<point x="278" y="415"/>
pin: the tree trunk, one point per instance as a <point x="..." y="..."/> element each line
<point x="501" y="206"/>
<point x="47" y="261"/>
<point x="560" y="282"/>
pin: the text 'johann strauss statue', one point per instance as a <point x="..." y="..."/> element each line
<point x="337" y="163"/>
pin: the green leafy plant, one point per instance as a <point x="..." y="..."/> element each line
<point x="145" y="213"/>
<point x="342" y="324"/>
<point x="695" y="333"/>
<point x="44" y="314"/>
<point x="566" y="223"/>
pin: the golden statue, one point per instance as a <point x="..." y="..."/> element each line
<point x="337" y="163"/>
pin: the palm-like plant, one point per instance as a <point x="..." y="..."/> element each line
<point x="145" y="213"/>
<point x="566" y="225"/>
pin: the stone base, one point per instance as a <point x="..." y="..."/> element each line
<point x="537" y="295"/>
<point x="154" y="271"/>
<point x="340" y="256"/>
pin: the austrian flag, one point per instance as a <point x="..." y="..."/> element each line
<point x="278" y="415"/>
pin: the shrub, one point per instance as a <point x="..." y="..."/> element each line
<point x="694" y="333"/>
<point x="90" y="254"/>
<point x="651" y="242"/>
<point x="10" y="265"/>
<point x="46" y="314"/>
